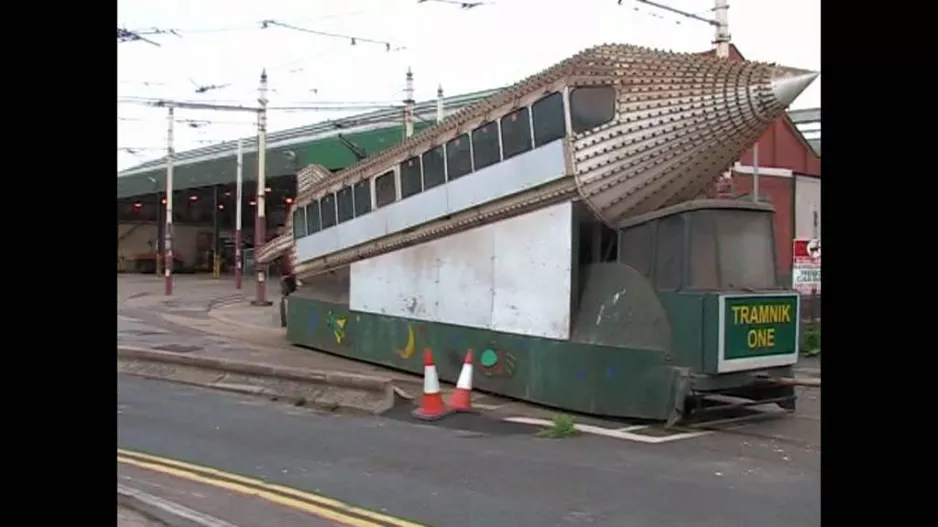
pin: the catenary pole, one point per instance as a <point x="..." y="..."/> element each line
<point x="260" y="224"/>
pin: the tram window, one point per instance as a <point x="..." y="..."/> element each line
<point x="747" y="253"/>
<point x="635" y="248"/>
<point x="410" y="177"/>
<point x="485" y="145"/>
<point x="669" y="260"/>
<point x="516" y="133"/>
<point x="702" y="255"/>
<point x="327" y="206"/>
<point x="434" y="172"/>
<point x="312" y="218"/>
<point x="458" y="157"/>
<point x="549" y="121"/>
<point x="345" y="205"/>
<point x="362" y="198"/>
<point x="299" y="223"/>
<point x="385" y="189"/>
<point x="591" y="106"/>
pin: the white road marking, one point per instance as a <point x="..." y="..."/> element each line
<point x="487" y="406"/>
<point x="609" y="432"/>
<point x="632" y="428"/>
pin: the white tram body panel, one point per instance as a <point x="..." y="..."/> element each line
<point x="506" y="276"/>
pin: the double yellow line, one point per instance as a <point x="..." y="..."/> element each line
<point x="321" y="506"/>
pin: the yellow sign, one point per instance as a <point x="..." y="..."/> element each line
<point x="761" y="338"/>
<point x="762" y="314"/>
<point x="757" y="325"/>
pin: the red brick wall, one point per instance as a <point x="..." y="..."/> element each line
<point x="781" y="147"/>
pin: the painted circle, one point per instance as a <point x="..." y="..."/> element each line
<point x="488" y="358"/>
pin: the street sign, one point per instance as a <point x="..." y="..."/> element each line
<point x="806" y="265"/>
<point x="814" y="248"/>
<point x="758" y="331"/>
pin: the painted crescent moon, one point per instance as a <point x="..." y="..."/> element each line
<point x="408" y="350"/>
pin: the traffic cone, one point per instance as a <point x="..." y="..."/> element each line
<point x="431" y="405"/>
<point x="461" y="400"/>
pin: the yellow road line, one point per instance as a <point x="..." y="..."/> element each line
<point x="320" y="505"/>
<point x="269" y="496"/>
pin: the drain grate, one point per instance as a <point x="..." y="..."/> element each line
<point x="178" y="348"/>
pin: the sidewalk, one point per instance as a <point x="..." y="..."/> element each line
<point x="809" y="367"/>
<point x="236" y="329"/>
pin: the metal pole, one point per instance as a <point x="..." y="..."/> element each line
<point x="159" y="232"/>
<point x="216" y="227"/>
<point x="439" y="104"/>
<point x="755" y="172"/>
<point x="239" y="200"/>
<point x="168" y="234"/>
<point x="409" y="105"/>
<point x="722" y="37"/>
<point x="260" y="225"/>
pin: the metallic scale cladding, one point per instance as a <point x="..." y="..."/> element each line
<point x="680" y="120"/>
<point x="683" y="119"/>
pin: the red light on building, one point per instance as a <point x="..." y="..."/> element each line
<point x="163" y="201"/>
<point x="253" y="203"/>
<point x="288" y="200"/>
<point x="193" y="198"/>
<point x="138" y="205"/>
<point x="221" y="206"/>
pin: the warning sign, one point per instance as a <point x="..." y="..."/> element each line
<point x="806" y="265"/>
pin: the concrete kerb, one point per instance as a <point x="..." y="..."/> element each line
<point x="330" y="390"/>
<point x="165" y="511"/>
<point x="217" y="313"/>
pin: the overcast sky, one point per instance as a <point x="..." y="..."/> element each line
<point x="220" y="42"/>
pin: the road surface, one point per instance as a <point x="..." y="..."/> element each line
<point x="491" y="476"/>
<point x="131" y="518"/>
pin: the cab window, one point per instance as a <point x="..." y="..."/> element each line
<point x="549" y="121"/>
<point x="591" y="106"/>
<point x="299" y="223"/>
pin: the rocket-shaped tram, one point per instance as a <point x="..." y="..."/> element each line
<point x="559" y="230"/>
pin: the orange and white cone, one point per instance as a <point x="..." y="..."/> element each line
<point x="431" y="405"/>
<point x="461" y="400"/>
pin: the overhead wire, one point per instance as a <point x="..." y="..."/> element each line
<point x="242" y="80"/>
<point x="675" y="15"/>
<point x="197" y="122"/>
<point x="240" y="27"/>
<point x="462" y="4"/>
<point x="286" y="107"/>
<point x="261" y="25"/>
<point x="354" y="40"/>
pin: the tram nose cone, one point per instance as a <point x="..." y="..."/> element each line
<point x="788" y="83"/>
